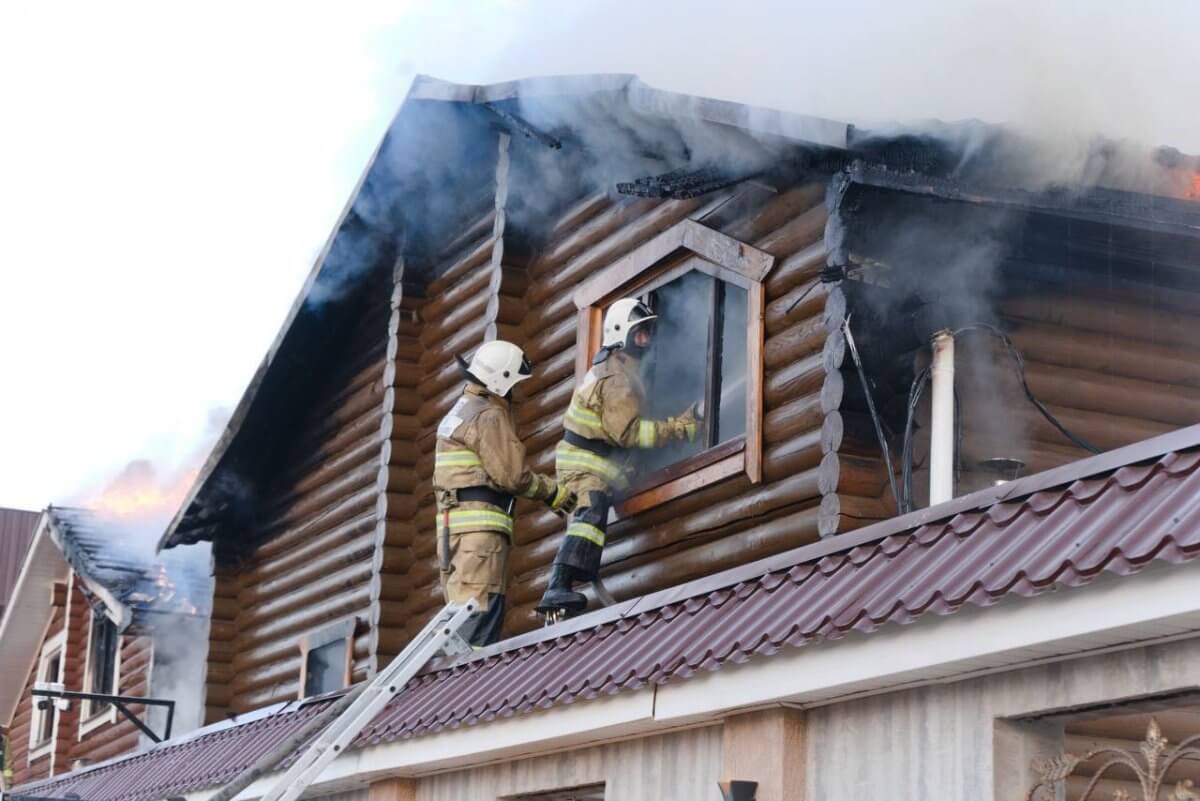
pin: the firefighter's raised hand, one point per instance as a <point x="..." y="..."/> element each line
<point x="563" y="501"/>
<point x="687" y="425"/>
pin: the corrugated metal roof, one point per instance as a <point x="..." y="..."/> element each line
<point x="16" y="532"/>
<point x="1058" y="530"/>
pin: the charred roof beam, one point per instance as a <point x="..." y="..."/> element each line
<point x="524" y="127"/>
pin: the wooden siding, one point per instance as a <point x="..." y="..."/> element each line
<point x="103" y="742"/>
<point x="680" y="765"/>
<point x="317" y="525"/>
<point x="19" y="727"/>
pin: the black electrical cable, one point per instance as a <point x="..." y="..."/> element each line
<point x="1020" y="364"/>
<point x="906" y="457"/>
<point x="883" y="443"/>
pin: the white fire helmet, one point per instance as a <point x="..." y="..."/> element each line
<point x="498" y="365"/>
<point x="622" y="317"/>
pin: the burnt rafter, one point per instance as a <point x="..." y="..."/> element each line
<point x="682" y="184"/>
<point x="1108" y="206"/>
<point x="523" y="127"/>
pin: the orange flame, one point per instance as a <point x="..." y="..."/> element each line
<point x="140" y="493"/>
<point x="1195" y="193"/>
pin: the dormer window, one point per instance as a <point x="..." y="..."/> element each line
<point x="707" y="291"/>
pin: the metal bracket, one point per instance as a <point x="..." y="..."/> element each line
<point x="119" y="701"/>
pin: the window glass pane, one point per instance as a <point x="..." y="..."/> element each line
<point x="730" y="419"/>
<point x="102" y="661"/>
<point x="326" y="668"/>
<point x="675" y="369"/>
<point x="50" y="673"/>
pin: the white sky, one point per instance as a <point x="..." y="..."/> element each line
<point x="169" y="169"/>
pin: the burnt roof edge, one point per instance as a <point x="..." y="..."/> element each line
<point x="1146" y="450"/>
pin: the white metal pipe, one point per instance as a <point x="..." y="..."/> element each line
<point x="941" y="428"/>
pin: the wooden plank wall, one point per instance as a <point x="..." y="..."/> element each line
<point x="318" y="523"/>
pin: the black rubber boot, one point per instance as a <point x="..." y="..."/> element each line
<point x="559" y="597"/>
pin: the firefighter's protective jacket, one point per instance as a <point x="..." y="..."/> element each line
<point x="607" y="408"/>
<point x="477" y="446"/>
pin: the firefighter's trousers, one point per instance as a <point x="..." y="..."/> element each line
<point x="479" y="570"/>
<point x="583" y="544"/>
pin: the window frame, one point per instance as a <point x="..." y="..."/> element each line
<point x="52" y="646"/>
<point x="91" y="718"/>
<point x="684" y="247"/>
<point x="341" y="630"/>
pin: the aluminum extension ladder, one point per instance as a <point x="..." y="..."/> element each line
<point x="440" y="635"/>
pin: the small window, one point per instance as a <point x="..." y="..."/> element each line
<point x="50" y="671"/>
<point x="707" y="290"/>
<point x="325" y="659"/>
<point x="325" y="668"/>
<point x="103" y="644"/>
<point x="590" y="792"/>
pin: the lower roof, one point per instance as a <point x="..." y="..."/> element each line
<point x="1115" y="514"/>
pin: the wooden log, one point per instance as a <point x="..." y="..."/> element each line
<point x="643" y="228"/>
<point x="804" y="302"/>
<point x="550" y="401"/>
<point x="459" y="343"/>
<point x="1096" y="392"/>
<point x="482" y="228"/>
<point x="801" y="232"/>
<point x="804" y="376"/>
<point x="1111" y="355"/>
<point x="796" y="342"/>
<point x="443" y="378"/>
<point x="800" y="268"/>
<point x="556" y="339"/>
<point x="398" y="452"/>
<point x="852" y="475"/>
<point x="840" y="513"/>
<point x="780" y="211"/>
<point x="299" y="506"/>
<point x="568" y="245"/>
<point x="352" y="553"/>
<point x="362" y="452"/>
<point x="470" y="308"/>
<point x="342" y="587"/>
<point x="792" y="456"/>
<point x="1128" y="321"/>
<point x="793" y="418"/>
<point x="557" y="368"/>
<point x="468" y="262"/>
<point x="285" y="532"/>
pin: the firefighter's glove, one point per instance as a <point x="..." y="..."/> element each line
<point x="563" y="501"/>
<point x="687" y="425"/>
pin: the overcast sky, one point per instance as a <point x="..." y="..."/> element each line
<point x="169" y="169"/>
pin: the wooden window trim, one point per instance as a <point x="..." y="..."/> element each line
<point x="684" y="247"/>
<point x="89" y="718"/>
<point x="341" y="630"/>
<point x="39" y="749"/>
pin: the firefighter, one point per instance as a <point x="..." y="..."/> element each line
<point x="603" y="424"/>
<point x="479" y="466"/>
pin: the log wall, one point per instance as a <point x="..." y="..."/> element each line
<point x="1114" y="366"/>
<point x="481" y="293"/>
<point x="317" y="528"/>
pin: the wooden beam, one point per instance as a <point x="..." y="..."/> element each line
<point x="768" y="747"/>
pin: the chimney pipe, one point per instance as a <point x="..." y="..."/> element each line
<point x="941" y="429"/>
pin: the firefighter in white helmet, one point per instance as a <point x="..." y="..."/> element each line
<point x="479" y="468"/>
<point x="603" y="423"/>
